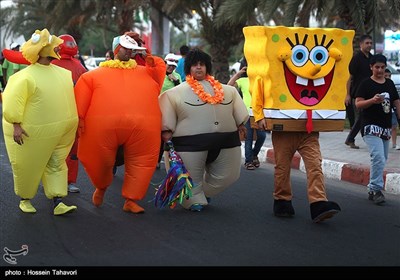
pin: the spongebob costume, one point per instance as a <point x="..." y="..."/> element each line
<point x="40" y="98"/>
<point x="298" y="82"/>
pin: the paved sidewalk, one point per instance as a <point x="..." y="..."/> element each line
<point x="343" y="163"/>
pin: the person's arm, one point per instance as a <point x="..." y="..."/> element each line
<point x="347" y="100"/>
<point x="396" y="104"/>
<point x="232" y="81"/>
<point x="362" y="103"/>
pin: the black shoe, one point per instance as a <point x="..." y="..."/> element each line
<point x="322" y="210"/>
<point x="114" y="170"/>
<point x="378" y="197"/>
<point x="351" y="145"/>
<point x="283" y="208"/>
<point x="370" y="195"/>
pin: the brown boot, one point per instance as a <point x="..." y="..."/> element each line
<point x="97" y="197"/>
<point x="131" y="206"/>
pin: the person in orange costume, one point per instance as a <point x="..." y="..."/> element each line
<point x="118" y="105"/>
<point x="68" y="50"/>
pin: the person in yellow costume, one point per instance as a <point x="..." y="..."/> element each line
<point x="298" y="82"/>
<point x="39" y="123"/>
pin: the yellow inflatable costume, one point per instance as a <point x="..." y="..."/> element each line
<point x="39" y="123"/>
<point x="298" y="76"/>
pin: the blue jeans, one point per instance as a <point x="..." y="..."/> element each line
<point x="378" y="151"/>
<point x="251" y="152"/>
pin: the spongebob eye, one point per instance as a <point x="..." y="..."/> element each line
<point x="299" y="55"/>
<point x="319" y="55"/>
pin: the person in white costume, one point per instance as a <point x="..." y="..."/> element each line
<point x="202" y="118"/>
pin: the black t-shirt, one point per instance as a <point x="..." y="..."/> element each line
<point x="377" y="114"/>
<point x="359" y="69"/>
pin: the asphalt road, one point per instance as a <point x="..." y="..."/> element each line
<point x="238" y="229"/>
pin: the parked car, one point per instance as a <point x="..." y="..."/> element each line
<point x="93" y="62"/>
<point x="395" y="76"/>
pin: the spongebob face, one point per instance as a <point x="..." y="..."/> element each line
<point x="298" y="73"/>
<point x="307" y="68"/>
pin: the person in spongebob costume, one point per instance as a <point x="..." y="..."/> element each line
<point x="298" y="83"/>
<point x="118" y="106"/>
<point x="39" y="123"/>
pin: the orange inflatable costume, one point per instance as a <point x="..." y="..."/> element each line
<point x="118" y="105"/>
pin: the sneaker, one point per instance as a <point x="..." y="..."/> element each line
<point x="131" y="206"/>
<point x="72" y="188"/>
<point x="351" y="145"/>
<point x="26" y="206"/>
<point x="196" y="207"/>
<point x="370" y="195"/>
<point x="283" y="208"/>
<point x="256" y="162"/>
<point x="322" y="210"/>
<point x="397" y="147"/>
<point x="378" y="197"/>
<point x="62" y="209"/>
<point x="249" y="166"/>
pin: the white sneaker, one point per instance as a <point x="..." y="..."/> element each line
<point x="73" y="189"/>
<point x="397" y="147"/>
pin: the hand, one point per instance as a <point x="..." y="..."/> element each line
<point x="378" y="98"/>
<point x="243" y="70"/>
<point x="243" y="131"/>
<point x="262" y="124"/>
<point x="166" y="135"/>
<point x="347" y="101"/>
<point x="172" y="77"/>
<point x="18" y="132"/>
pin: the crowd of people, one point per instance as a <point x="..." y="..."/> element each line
<point x="123" y="112"/>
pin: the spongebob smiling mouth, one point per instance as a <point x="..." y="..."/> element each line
<point x="306" y="91"/>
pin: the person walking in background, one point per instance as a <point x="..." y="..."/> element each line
<point x="10" y="68"/>
<point x="172" y="78"/>
<point x="180" y="68"/>
<point x="202" y="118"/>
<point x="376" y="96"/>
<point x="395" y="123"/>
<point x="359" y="68"/>
<point x="39" y="123"/>
<point x="68" y="51"/>
<point x="117" y="106"/>
<point x="241" y="81"/>
<point x="109" y="55"/>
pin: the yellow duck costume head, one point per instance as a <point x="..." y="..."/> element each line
<point x="41" y="44"/>
<point x="298" y="76"/>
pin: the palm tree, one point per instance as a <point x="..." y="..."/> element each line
<point x="364" y="16"/>
<point x="221" y="38"/>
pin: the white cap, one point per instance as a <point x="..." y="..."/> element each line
<point x="126" y="42"/>
<point x="171" y="59"/>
